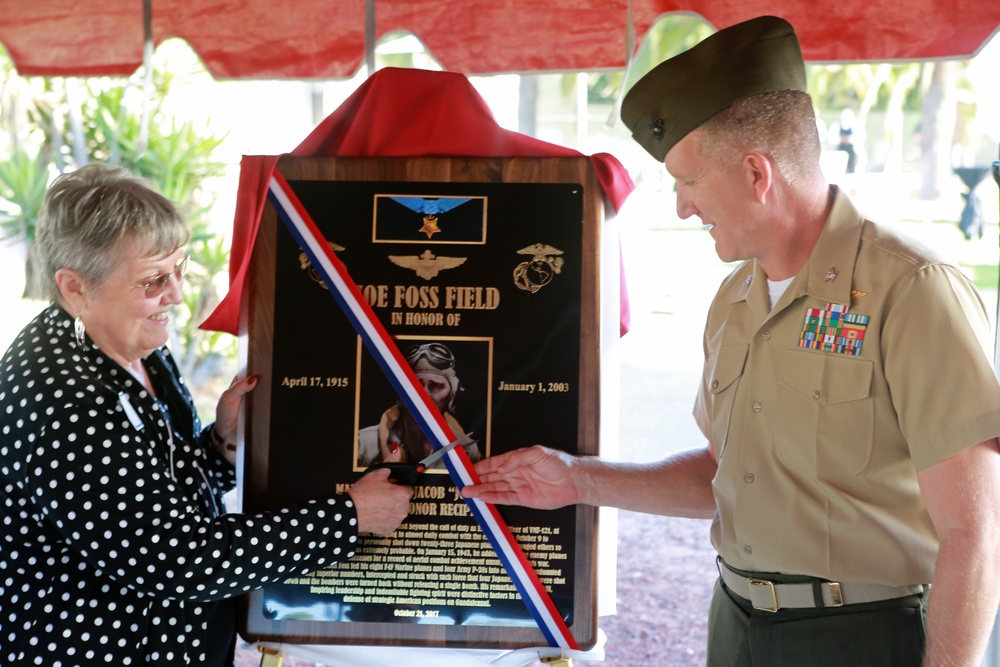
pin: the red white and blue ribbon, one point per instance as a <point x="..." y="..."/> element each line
<point x="385" y="351"/>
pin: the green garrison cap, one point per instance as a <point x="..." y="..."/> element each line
<point x="681" y="93"/>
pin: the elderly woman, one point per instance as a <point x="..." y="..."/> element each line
<point x="114" y="547"/>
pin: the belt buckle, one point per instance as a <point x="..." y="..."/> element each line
<point x="836" y="594"/>
<point x="763" y="583"/>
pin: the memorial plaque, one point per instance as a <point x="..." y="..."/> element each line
<point x="486" y="273"/>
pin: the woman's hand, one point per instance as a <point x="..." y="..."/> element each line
<point x="227" y="412"/>
<point x="381" y="505"/>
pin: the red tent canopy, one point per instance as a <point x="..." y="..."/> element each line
<point x="326" y="38"/>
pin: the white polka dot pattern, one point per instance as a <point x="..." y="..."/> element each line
<point x="110" y="552"/>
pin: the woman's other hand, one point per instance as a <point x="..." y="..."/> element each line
<point x="227" y="416"/>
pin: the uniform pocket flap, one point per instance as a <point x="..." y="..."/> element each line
<point x="826" y="379"/>
<point x="729" y="364"/>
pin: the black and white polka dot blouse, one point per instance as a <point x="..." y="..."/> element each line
<point x="112" y="549"/>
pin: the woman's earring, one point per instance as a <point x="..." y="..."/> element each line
<point x="79" y="331"/>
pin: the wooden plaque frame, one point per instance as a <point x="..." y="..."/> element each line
<point x="515" y="198"/>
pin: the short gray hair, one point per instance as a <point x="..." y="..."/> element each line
<point x="88" y="213"/>
<point x="780" y="124"/>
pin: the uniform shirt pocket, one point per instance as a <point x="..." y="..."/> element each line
<point x="826" y="414"/>
<point x="724" y="372"/>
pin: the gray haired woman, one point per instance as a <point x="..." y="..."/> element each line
<point x="114" y="547"/>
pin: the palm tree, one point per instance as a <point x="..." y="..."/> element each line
<point x="24" y="178"/>
<point x="24" y="171"/>
<point x="937" y="125"/>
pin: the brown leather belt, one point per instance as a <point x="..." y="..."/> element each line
<point x="771" y="596"/>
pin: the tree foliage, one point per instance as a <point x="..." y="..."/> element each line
<point x="71" y="122"/>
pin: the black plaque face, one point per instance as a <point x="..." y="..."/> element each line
<point x="481" y="285"/>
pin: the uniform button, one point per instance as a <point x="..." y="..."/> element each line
<point x="816" y="395"/>
<point x="747" y="550"/>
<point x="757" y="407"/>
<point x="748" y="478"/>
<point x="715" y="384"/>
<point x="766" y="335"/>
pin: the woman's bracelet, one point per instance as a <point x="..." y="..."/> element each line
<point x="218" y="441"/>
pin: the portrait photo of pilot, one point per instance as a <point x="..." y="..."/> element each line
<point x="396" y="437"/>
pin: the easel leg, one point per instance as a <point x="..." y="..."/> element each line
<point x="269" y="657"/>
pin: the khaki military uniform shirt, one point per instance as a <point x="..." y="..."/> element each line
<point x="819" y="442"/>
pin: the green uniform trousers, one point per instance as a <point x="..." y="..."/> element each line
<point x="876" y="634"/>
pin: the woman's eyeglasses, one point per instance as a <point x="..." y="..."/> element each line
<point x="155" y="286"/>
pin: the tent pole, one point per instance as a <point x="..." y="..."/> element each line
<point x="147" y="74"/>
<point x="996" y="342"/>
<point x="369" y="37"/>
<point x="992" y="656"/>
<point x="616" y="108"/>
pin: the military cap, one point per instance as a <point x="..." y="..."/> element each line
<point x="679" y="94"/>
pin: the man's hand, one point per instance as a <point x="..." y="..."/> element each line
<point x="536" y="477"/>
<point x="381" y="504"/>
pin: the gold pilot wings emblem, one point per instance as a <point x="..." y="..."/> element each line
<point x="426" y="265"/>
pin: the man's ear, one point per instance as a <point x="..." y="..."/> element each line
<point x="758" y="171"/>
<point x="72" y="288"/>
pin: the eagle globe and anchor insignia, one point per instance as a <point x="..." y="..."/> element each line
<point x="306" y="264"/>
<point x="538" y="272"/>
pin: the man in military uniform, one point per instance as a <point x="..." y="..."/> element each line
<point x="852" y="469"/>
